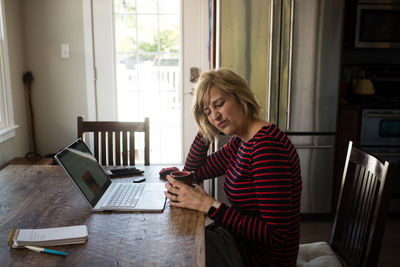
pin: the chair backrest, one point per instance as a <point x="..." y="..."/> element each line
<point x="362" y="208"/>
<point x="114" y="142"/>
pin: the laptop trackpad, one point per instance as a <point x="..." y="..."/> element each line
<point x="150" y="199"/>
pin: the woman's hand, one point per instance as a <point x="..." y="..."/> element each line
<point x="185" y="196"/>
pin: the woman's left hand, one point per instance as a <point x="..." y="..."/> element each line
<point x="185" y="196"/>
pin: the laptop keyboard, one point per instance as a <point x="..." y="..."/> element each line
<point x="126" y="195"/>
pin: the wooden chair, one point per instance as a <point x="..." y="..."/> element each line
<point x="114" y="142"/>
<point x="360" y="216"/>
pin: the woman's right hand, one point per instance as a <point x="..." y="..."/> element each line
<point x="185" y="196"/>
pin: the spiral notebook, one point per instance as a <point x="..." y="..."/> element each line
<point x="44" y="237"/>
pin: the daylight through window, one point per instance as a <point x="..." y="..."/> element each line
<point x="147" y="53"/>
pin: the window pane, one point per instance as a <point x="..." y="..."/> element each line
<point x="125" y="33"/>
<point x="126" y="71"/>
<point x="169" y="6"/>
<point x="148" y="33"/>
<point x="170" y="110"/>
<point x="169" y="33"/>
<point x="128" y="107"/>
<point x="149" y="106"/>
<point x="147" y="6"/>
<point x="169" y="72"/>
<point x="124" y="6"/>
<point x="148" y="73"/>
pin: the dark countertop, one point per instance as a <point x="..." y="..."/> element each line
<point x="371" y="102"/>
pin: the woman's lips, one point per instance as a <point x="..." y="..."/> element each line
<point x="222" y="124"/>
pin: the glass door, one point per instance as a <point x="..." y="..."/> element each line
<point x="147" y="63"/>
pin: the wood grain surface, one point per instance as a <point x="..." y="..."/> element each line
<point x="39" y="196"/>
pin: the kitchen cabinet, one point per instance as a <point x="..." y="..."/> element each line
<point x="349" y="21"/>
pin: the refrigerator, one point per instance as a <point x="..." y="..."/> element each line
<point x="289" y="52"/>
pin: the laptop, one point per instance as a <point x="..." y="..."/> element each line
<point x="101" y="193"/>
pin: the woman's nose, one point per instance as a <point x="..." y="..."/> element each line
<point x="217" y="115"/>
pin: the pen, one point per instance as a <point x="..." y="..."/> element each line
<point x="46" y="250"/>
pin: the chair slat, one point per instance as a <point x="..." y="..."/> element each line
<point x="367" y="211"/>
<point x="359" y="193"/>
<point x="348" y="238"/>
<point x="360" y="214"/>
<point x="362" y="220"/>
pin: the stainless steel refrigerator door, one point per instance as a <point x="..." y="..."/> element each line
<point x="243" y="42"/>
<point x="317" y="162"/>
<point x="310" y="105"/>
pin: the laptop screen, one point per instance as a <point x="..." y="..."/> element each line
<point x="84" y="169"/>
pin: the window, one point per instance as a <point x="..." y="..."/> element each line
<point x="7" y="127"/>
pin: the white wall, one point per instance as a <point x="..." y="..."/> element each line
<point x="20" y="144"/>
<point x="59" y="87"/>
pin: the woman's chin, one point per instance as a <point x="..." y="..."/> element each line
<point x="226" y="132"/>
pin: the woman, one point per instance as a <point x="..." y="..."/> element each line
<point x="263" y="181"/>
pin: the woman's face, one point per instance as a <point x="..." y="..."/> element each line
<point x="224" y="112"/>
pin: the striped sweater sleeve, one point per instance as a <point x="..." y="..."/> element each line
<point x="206" y="167"/>
<point x="197" y="154"/>
<point x="270" y="164"/>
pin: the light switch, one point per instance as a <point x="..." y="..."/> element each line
<point x="65" y="51"/>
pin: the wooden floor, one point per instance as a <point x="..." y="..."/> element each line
<point x="313" y="230"/>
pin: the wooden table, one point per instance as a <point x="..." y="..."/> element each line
<point x="39" y="196"/>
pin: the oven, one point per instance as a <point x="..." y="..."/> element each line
<point x="380" y="136"/>
<point x="380" y="127"/>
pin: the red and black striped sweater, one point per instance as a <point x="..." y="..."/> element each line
<point x="263" y="185"/>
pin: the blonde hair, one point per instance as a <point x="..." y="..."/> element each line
<point x="229" y="82"/>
